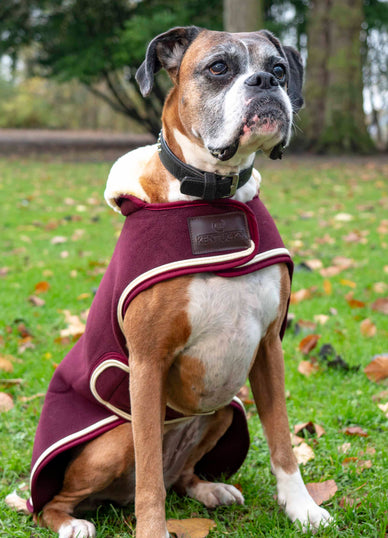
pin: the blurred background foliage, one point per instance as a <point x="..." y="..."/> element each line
<point x="71" y="63"/>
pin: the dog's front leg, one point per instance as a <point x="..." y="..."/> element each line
<point x="267" y="382"/>
<point x="148" y="403"/>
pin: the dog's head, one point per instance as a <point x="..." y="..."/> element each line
<point x="234" y="92"/>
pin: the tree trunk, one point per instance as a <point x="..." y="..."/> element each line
<point x="243" y="15"/>
<point x="334" y="119"/>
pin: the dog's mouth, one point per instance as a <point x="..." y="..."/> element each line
<point x="226" y="153"/>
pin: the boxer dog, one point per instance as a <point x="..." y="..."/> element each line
<point x="192" y="339"/>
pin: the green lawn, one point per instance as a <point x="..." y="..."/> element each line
<point x="57" y="233"/>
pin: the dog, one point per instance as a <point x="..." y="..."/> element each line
<point x="188" y="332"/>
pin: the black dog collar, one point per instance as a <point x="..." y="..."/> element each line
<point x="194" y="182"/>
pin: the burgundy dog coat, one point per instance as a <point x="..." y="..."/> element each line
<point x="89" y="392"/>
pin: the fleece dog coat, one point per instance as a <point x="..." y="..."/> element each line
<point x="89" y="392"/>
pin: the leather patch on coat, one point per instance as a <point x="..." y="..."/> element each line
<point x="218" y="233"/>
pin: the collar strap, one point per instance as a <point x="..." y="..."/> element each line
<point x="195" y="182"/>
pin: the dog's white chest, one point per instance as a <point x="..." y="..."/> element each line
<point x="228" y="317"/>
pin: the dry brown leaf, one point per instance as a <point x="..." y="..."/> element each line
<point x="327" y="287"/>
<point x="382" y="395"/>
<point x="75" y="327"/>
<point x="363" y="464"/>
<point x="355" y="430"/>
<point x="308" y="343"/>
<point x="377" y="369"/>
<point x="321" y="318"/>
<point x="190" y="528"/>
<point x="6" y="365"/>
<point x="381" y="305"/>
<point x="311" y="428"/>
<point x="331" y="271"/>
<point x="322" y="491"/>
<point x="368" y="328"/>
<point x="295" y="440"/>
<point x="42" y="287"/>
<point x="384" y="408"/>
<point x="303" y="453"/>
<point x="244" y="395"/>
<point x="348" y="283"/>
<point x="58" y="240"/>
<point x="355" y="303"/>
<point x="380" y="287"/>
<point x="307" y="368"/>
<point x="314" y="264"/>
<point x="4" y="271"/>
<point x="11" y="382"/>
<point x="306" y="325"/>
<point x="300" y="295"/>
<point x="36" y="301"/>
<point x="6" y="402"/>
<point x="344" y="448"/>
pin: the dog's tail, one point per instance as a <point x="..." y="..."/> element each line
<point x="17" y="503"/>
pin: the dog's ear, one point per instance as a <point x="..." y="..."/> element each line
<point x="295" y="80"/>
<point x="165" y="50"/>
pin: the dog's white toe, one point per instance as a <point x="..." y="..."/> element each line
<point x="77" y="528"/>
<point x="215" y="494"/>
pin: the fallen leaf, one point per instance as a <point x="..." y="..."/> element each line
<point x="300" y="295"/>
<point x="6" y="402"/>
<point x="343" y="217"/>
<point x="313" y="264"/>
<point x="307" y="325"/>
<point x="384" y="408"/>
<point x="349" y="459"/>
<point x="364" y="464"/>
<point x="23" y="331"/>
<point x="190" y="528"/>
<point x="295" y="439"/>
<point x="355" y="430"/>
<point x="307" y="368"/>
<point x="380" y="287"/>
<point x="244" y="395"/>
<point x="75" y="327"/>
<point x="308" y="343"/>
<point x="6" y="365"/>
<point x="348" y="283"/>
<point x="4" y="271"/>
<point x="377" y="369"/>
<point x="344" y="448"/>
<point x="355" y="303"/>
<point x="368" y="328"/>
<point x="381" y="305"/>
<point x="322" y="491"/>
<point x="42" y="287"/>
<point x="36" y="301"/>
<point x="311" y="428"/>
<point x="321" y="319"/>
<point x="83" y="296"/>
<point x="303" y="453"/>
<point x="58" y="240"/>
<point x="327" y="287"/>
<point x="349" y="502"/>
<point x="383" y="395"/>
<point x="331" y="271"/>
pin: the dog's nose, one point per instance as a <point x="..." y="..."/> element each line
<point x="263" y="80"/>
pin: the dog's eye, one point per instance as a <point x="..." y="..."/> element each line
<point x="218" y="68"/>
<point x="279" y="72"/>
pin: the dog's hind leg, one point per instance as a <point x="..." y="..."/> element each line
<point x="211" y="494"/>
<point x="94" y="468"/>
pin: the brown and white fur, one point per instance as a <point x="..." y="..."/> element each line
<point x="194" y="340"/>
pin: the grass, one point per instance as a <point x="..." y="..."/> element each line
<point x="56" y="229"/>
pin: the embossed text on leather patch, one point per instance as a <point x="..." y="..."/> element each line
<point x="216" y="233"/>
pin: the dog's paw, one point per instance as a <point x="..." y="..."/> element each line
<point x="214" y="494"/>
<point x="77" y="528"/>
<point x="297" y="503"/>
<point x="308" y="514"/>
